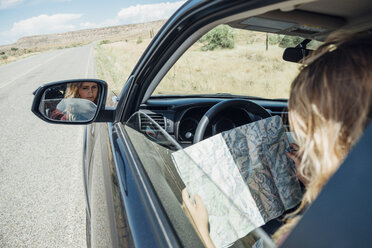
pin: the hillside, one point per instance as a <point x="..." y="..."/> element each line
<point x="41" y="42"/>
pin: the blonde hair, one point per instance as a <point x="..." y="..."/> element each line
<point x="72" y="90"/>
<point x="328" y="109"/>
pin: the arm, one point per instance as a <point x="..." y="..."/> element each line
<point x="58" y="115"/>
<point x="199" y="216"/>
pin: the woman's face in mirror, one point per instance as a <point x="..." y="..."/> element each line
<point x="88" y="91"/>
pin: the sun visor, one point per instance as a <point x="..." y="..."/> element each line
<point x="301" y="23"/>
<point x="263" y="24"/>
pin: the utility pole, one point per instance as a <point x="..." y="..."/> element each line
<point x="267" y="41"/>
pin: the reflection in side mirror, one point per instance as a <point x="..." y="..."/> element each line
<point x="73" y="101"/>
<point x="68" y="109"/>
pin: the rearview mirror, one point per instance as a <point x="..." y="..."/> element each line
<point x="72" y="101"/>
<point x="295" y="54"/>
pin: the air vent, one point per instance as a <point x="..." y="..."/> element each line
<point x="158" y="118"/>
<point x="154" y="107"/>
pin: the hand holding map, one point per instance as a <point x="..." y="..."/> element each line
<point x="243" y="176"/>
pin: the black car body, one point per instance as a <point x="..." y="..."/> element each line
<point x="133" y="196"/>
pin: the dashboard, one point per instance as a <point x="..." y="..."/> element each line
<point x="180" y="117"/>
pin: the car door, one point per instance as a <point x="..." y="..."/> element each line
<point x="124" y="208"/>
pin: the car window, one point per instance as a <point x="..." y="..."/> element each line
<point x="154" y="148"/>
<point x="161" y="157"/>
<point x="233" y="61"/>
<point x="115" y="59"/>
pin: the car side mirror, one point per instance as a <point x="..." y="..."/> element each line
<point x="77" y="101"/>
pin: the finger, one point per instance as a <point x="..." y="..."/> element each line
<point x="198" y="201"/>
<point x="294" y="146"/>
<point x="186" y="199"/>
<point x="185" y="194"/>
<point x="294" y="157"/>
<point x="291" y="155"/>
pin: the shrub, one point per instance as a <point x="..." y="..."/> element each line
<point x="139" y="40"/>
<point x="2" y="53"/>
<point x="290" y="41"/>
<point x="104" y="42"/>
<point x="14" y="49"/>
<point x="4" y="57"/>
<point x="274" y="39"/>
<point x="220" y="37"/>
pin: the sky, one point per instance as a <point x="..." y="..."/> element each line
<point x="19" y="18"/>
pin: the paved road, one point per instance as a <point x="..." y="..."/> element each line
<point x="41" y="193"/>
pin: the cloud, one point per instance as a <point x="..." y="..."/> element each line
<point x="147" y="12"/>
<point x="5" y="4"/>
<point x="44" y="24"/>
<point x="87" y="25"/>
<point x="137" y="14"/>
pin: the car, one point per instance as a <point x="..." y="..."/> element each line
<point x="188" y="86"/>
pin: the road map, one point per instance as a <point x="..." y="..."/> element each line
<point x="243" y="177"/>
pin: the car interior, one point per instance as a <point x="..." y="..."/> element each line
<point x="269" y="41"/>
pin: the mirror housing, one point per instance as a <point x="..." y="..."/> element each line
<point x="295" y="54"/>
<point x="77" y="101"/>
<point x="298" y="53"/>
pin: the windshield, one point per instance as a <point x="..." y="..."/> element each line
<point x="233" y="61"/>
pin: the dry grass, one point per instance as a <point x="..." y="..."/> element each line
<point x="115" y="61"/>
<point x="9" y="56"/>
<point x="12" y="54"/>
<point x="247" y="69"/>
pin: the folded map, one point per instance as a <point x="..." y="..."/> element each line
<point x="243" y="177"/>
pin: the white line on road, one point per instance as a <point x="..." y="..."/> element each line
<point x="88" y="64"/>
<point x="28" y="71"/>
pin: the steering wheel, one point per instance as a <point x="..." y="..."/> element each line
<point x="213" y="111"/>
